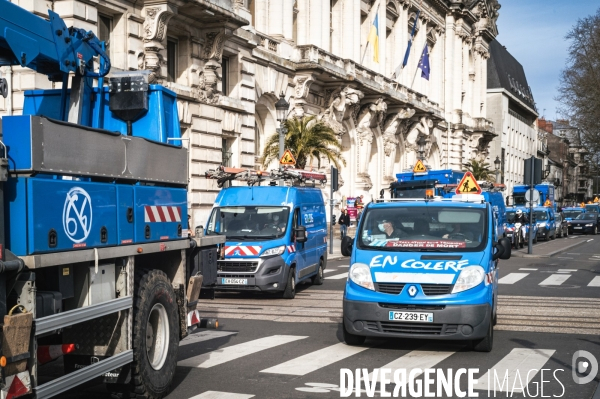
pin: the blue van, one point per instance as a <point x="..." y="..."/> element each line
<point x="276" y="238"/>
<point x="425" y="269"/>
<point x="546" y="222"/>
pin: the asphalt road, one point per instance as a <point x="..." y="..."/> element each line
<point x="549" y="308"/>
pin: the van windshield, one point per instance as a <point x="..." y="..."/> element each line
<point x="541" y="216"/>
<point x="571" y="214"/>
<point x="438" y="229"/>
<point x="251" y="223"/>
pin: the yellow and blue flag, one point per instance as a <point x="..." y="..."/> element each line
<point x="374" y="38"/>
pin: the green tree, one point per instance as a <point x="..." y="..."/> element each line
<point x="308" y="139"/>
<point x="579" y="88"/>
<point x="479" y="169"/>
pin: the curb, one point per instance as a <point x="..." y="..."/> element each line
<point x="550" y="254"/>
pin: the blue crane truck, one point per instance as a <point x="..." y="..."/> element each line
<point x="430" y="183"/>
<point x="546" y="191"/>
<point x="95" y="256"/>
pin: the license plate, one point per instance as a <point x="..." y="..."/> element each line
<point x="234" y="281"/>
<point x="577" y="227"/>
<point x="412" y="316"/>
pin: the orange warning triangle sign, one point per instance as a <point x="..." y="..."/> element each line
<point x="287" y="158"/>
<point x="419" y="167"/>
<point x="596" y="200"/>
<point x="468" y="185"/>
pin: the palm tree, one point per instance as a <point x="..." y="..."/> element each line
<point x="308" y="139"/>
<point x="479" y="169"/>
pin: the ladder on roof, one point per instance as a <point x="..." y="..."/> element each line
<point x="296" y="176"/>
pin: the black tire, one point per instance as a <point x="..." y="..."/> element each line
<point x="155" y="308"/>
<point x="535" y="239"/>
<point x="318" y="278"/>
<point x="521" y="242"/>
<point x="290" y="287"/>
<point x="547" y="236"/>
<point x="560" y="233"/>
<point x="487" y="343"/>
<point x="351" y="339"/>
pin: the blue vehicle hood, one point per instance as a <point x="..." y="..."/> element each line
<point x="407" y="267"/>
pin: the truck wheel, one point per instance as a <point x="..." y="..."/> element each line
<point x="487" y="343"/>
<point x="319" y="277"/>
<point x="351" y="339"/>
<point x="290" y="288"/>
<point x="155" y="334"/>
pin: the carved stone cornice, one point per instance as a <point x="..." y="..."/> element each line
<point x="302" y="88"/>
<point x="213" y="45"/>
<point x="340" y="101"/>
<point x="157" y="17"/>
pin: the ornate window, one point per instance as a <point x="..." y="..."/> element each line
<point x="172" y="52"/>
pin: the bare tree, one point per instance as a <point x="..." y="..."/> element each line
<point x="579" y="88"/>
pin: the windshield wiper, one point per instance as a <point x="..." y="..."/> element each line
<point x="213" y="232"/>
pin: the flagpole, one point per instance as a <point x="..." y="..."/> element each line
<point x="362" y="61"/>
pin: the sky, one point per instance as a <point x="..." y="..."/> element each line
<point x="534" y="31"/>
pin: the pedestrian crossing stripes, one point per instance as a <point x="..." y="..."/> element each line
<point x="338" y="276"/>
<point x="230" y="353"/>
<point x="221" y="395"/>
<point x="517" y="364"/>
<point x="512" y="278"/>
<point x="504" y="368"/>
<point x="205" y="336"/>
<point x="315" y="360"/>
<point x="417" y="359"/>
<point x="555" y="279"/>
<point x="595" y="282"/>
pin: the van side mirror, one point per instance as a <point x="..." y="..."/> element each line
<point x="300" y="233"/>
<point x="503" y="249"/>
<point x="347" y="243"/>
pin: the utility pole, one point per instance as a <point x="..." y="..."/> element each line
<point x="531" y="188"/>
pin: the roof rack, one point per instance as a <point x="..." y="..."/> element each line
<point x="296" y="176"/>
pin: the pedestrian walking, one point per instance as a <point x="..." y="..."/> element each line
<point x="344" y="222"/>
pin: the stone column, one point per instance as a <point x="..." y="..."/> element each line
<point x="275" y="19"/>
<point x="313" y="23"/>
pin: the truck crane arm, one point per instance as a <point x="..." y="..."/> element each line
<point x="47" y="46"/>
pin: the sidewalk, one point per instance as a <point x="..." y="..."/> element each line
<point x="546" y="249"/>
<point x="337" y="248"/>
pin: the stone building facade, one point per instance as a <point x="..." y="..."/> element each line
<point x="510" y="106"/>
<point x="229" y="60"/>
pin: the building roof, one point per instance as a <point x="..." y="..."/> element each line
<point x="505" y="72"/>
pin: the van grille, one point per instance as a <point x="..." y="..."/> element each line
<point x="389" y="288"/>
<point x="411" y="328"/>
<point x="399" y="306"/>
<point x="236" y="266"/>
<point x="436" y="289"/>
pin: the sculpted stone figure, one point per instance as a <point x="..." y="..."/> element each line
<point x="421" y="128"/>
<point x="369" y="117"/>
<point x="391" y="128"/>
<point x="341" y="100"/>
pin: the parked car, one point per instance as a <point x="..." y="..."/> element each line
<point x="585" y="223"/>
<point x="562" y="226"/>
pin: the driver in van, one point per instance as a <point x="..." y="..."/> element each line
<point x="387" y="227"/>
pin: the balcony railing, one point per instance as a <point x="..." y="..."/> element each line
<point x="348" y="69"/>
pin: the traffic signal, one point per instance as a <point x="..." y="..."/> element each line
<point x="332" y="219"/>
<point x="334" y="179"/>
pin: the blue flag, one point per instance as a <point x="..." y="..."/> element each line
<point x="424" y="63"/>
<point x="410" y="41"/>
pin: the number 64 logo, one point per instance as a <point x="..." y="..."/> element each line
<point x="77" y="215"/>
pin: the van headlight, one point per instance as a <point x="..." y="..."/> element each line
<point x="273" y="251"/>
<point x="469" y="277"/>
<point x="542" y="224"/>
<point x="589" y="225"/>
<point x="361" y="274"/>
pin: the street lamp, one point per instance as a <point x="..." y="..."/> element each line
<point x="497" y="166"/>
<point x="281" y="108"/>
<point x="421" y="143"/>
